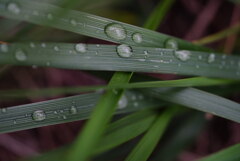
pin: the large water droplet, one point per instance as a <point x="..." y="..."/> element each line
<point x="171" y="44"/>
<point x="115" y="31"/>
<point x="124" y="51"/>
<point x="73" y="110"/>
<point x="183" y="55"/>
<point x="122" y="103"/>
<point x="211" y="58"/>
<point x="4" y="48"/>
<point x="14" y="8"/>
<point x="20" y="55"/>
<point x="137" y="37"/>
<point x="39" y="115"/>
<point x="81" y="48"/>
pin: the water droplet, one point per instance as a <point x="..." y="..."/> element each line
<point x="32" y="45"/>
<point x="64" y="117"/>
<point x="115" y="31"/>
<point x="14" y="122"/>
<point x="39" y="115"/>
<point x="56" y="48"/>
<point x="20" y="55"/>
<point x="73" y="22"/>
<point x="35" y="13"/>
<point x="124" y="51"/>
<point x="224" y="56"/>
<point x="73" y="110"/>
<point x="145" y="54"/>
<point x="50" y="16"/>
<point x="81" y="48"/>
<point x="4" y="48"/>
<point x="14" y="8"/>
<point x="135" y="104"/>
<point x="55" y="112"/>
<point x="34" y="66"/>
<point x="200" y="57"/>
<point x="4" y="110"/>
<point x="171" y="44"/>
<point x="137" y="37"/>
<point x="48" y="64"/>
<point x="122" y="103"/>
<point x="197" y="66"/>
<point x="43" y="45"/>
<point x="183" y="55"/>
<point x="133" y="97"/>
<point x="211" y="58"/>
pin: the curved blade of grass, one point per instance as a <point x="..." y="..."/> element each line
<point x="220" y="35"/>
<point x="147" y="144"/>
<point x="63" y="110"/>
<point x="228" y="154"/>
<point x="105" y="57"/>
<point x="187" y="82"/>
<point x="84" y="23"/>
<point x="199" y="100"/>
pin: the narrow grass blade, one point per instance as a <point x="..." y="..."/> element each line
<point x="220" y="35"/>
<point x="228" y="154"/>
<point x="84" y="23"/>
<point x="187" y="82"/>
<point x="105" y="57"/>
<point x="64" y="110"/>
<point x="147" y="144"/>
<point x="199" y="100"/>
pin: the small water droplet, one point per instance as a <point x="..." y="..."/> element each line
<point x="135" y="104"/>
<point x="81" y="48"/>
<point x="122" y="103"/>
<point x="50" y="16"/>
<point x="48" y="63"/>
<point x="14" y="8"/>
<point x="4" y="48"/>
<point x="43" y="45"/>
<point x="137" y="37"/>
<point x="124" y="51"/>
<point x="115" y="31"/>
<point x="73" y="110"/>
<point x="34" y="66"/>
<point x="197" y="66"/>
<point x="73" y="22"/>
<point x="4" y="110"/>
<point x="35" y="13"/>
<point x="64" y="117"/>
<point x="14" y="122"/>
<point x="133" y="97"/>
<point x="56" y="48"/>
<point x="32" y="45"/>
<point x="183" y="55"/>
<point x="145" y="54"/>
<point x="171" y="44"/>
<point x="200" y="57"/>
<point x="39" y="115"/>
<point x="224" y="56"/>
<point x="20" y="55"/>
<point x="211" y="58"/>
<point x="55" y="112"/>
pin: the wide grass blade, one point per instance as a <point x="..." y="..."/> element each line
<point x="199" y="100"/>
<point x="106" y="57"/>
<point x="228" y="154"/>
<point x="65" y="110"/>
<point x="84" y="23"/>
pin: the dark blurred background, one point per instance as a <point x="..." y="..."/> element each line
<point x="187" y="19"/>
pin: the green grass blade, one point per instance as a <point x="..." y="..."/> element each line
<point x="187" y="82"/>
<point x="105" y="57"/>
<point x="147" y="144"/>
<point x="84" y="23"/>
<point x="158" y="14"/>
<point x="228" y="154"/>
<point x="64" y="110"/>
<point x="199" y="100"/>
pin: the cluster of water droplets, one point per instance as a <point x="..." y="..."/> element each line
<point x="13" y="8"/>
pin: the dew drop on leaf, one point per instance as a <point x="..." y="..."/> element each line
<point x="137" y="37"/>
<point x="56" y="48"/>
<point x="124" y="51"/>
<point x="211" y="58"/>
<point x="115" y="31"/>
<point x="81" y="48"/>
<point x="50" y="16"/>
<point x="39" y="115"/>
<point x="32" y="45"/>
<point x="13" y="8"/>
<point x="171" y="44"/>
<point x="183" y="55"/>
<point x="73" y="110"/>
<point x="123" y="102"/>
<point x="20" y="55"/>
<point x="4" y="110"/>
<point x="4" y="48"/>
<point x="73" y="22"/>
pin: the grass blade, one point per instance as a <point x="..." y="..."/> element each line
<point x="147" y="144"/>
<point x="105" y="57"/>
<point x="228" y="154"/>
<point x="64" y="110"/>
<point x="84" y="23"/>
<point x="199" y="100"/>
